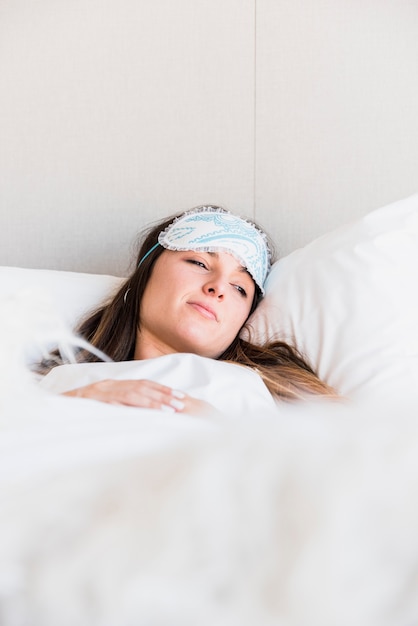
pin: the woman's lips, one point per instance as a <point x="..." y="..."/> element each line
<point x="204" y="310"/>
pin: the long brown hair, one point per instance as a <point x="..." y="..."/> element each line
<point x="285" y="372"/>
<point x="113" y="327"/>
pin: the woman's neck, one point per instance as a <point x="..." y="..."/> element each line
<point x="150" y="348"/>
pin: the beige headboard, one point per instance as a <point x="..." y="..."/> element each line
<point x="113" y="113"/>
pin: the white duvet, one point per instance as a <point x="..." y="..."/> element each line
<point x="232" y="389"/>
<point x="302" y="515"/>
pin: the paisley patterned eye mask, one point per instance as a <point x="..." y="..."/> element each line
<point x="213" y="229"/>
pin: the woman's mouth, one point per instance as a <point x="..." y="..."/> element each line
<point x="204" y="310"/>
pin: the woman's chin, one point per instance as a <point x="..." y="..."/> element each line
<point x="210" y="352"/>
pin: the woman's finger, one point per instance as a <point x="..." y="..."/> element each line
<point x="140" y="393"/>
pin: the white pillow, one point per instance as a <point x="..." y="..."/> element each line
<point x="71" y="293"/>
<point x="349" y="302"/>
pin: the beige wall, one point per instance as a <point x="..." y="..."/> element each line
<point x="117" y="112"/>
<point x="337" y="104"/>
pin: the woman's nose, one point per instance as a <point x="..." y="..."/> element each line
<point x="214" y="288"/>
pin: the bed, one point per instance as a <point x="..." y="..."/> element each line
<point x="113" y="515"/>
<point x="301" y="116"/>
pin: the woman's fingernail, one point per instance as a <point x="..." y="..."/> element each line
<point x="170" y="409"/>
<point x="177" y="404"/>
<point x="178" y="394"/>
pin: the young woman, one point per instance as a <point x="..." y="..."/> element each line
<point x="197" y="279"/>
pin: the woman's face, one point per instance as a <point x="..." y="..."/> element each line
<point x="194" y="302"/>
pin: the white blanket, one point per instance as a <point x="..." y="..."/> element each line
<point x="115" y="516"/>
<point x="232" y="389"/>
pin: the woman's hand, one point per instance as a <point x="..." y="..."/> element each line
<point x="146" y="394"/>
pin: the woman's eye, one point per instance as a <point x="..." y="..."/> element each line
<point x="196" y="262"/>
<point x="241" y="290"/>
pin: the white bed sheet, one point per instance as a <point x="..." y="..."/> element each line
<point x="232" y="389"/>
